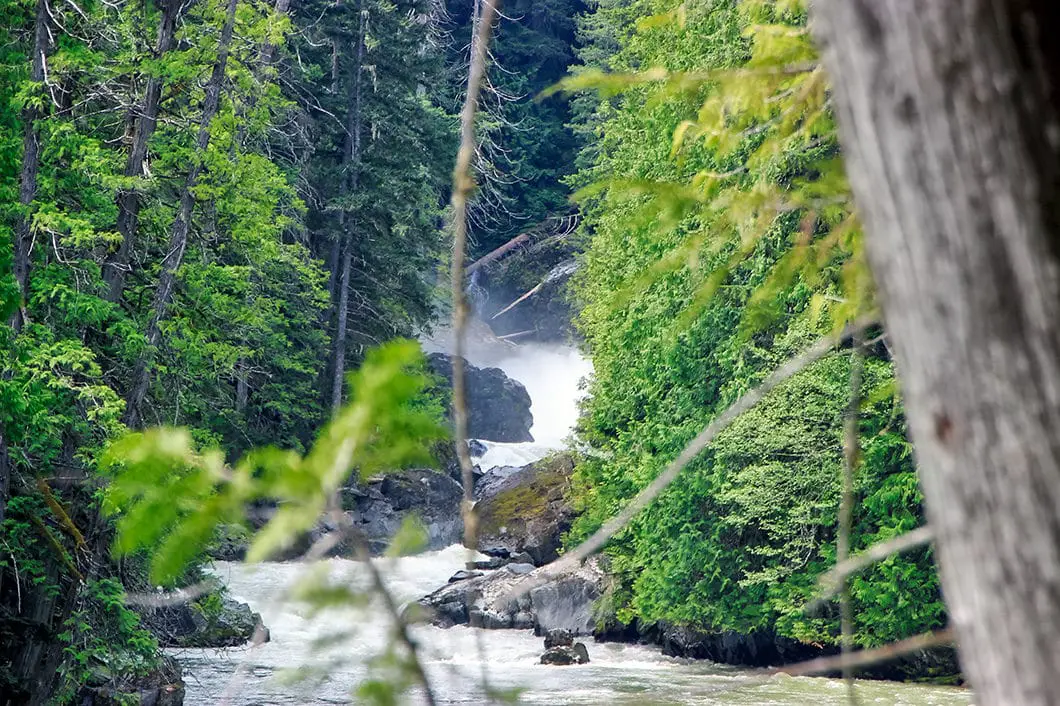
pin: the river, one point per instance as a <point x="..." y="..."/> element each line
<point x="321" y="659"/>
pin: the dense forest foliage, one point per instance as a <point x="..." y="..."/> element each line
<point x="211" y="211"/>
<point x="719" y="244"/>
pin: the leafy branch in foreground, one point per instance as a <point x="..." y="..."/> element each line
<point x="169" y="497"/>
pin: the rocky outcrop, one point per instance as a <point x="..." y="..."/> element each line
<point x="576" y="653"/>
<point x="498" y="406"/>
<point x="162" y="687"/>
<point x="379" y="507"/>
<point x="543" y="269"/>
<point x="525" y="510"/>
<point x="489" y="600"/>
<point x="214" y="620"/>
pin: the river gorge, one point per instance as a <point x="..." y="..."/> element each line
<point x="321" y="659"/>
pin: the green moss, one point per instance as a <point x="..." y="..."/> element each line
<point x="527" y="501"/>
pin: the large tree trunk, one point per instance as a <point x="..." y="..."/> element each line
<point x="27" y="188"/>
<point x="178" y="234"/>
<point x="947" y="112"/>
<point x="144" y="119"/>
<point x="351" y="166"/>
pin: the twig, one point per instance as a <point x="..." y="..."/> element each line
<point x="831" y="581"/>
<point x="401" y="628"/>
<point x="463" y="185"/>
<point x="525" y="296"/>
<point x="851" y="458"/>
<point x="163" y="600"/>
<point x="485" y="12"/>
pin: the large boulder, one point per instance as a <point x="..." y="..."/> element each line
<point x="214" y="620"/>
<point x="492" y="600"/>
<point x="526" y="509"/>
<point x="576" y="653"/>
<point x="379" y="507"/>
<point x="498" y="406"/>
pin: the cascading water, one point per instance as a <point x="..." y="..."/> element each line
<point x="330" y="652"/>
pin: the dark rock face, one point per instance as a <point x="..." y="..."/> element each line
<point x="163" y="687"/>
<point x="554" y="603"/>
<point x="380" y="507"/>
<point x="498" y="407"/>
<point x="756" y="649"/>
<point x="547" y="314"/>
<point x="525" y="510"/>
<point x="558" y="638"/>
<point x="212" y="621"/>
<point x="566" y="654"/>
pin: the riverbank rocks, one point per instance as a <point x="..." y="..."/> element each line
<point x="563" y="602"/>
<point x="498" y="406"/>
<point x="525" y="510"/>
<point x="162" y="687"/>
<point x="213" y="620"/>
<point x="379" y="507"/>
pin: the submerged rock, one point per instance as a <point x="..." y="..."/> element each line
<point x="525" y="510"/>
<point x="498" y="406"/>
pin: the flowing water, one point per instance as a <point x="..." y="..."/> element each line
<point x="321" y="659"/>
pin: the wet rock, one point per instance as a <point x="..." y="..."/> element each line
<point x="525" y="510"/>
<point x="520" y="569"/>
<point x="494" y="562"/>
<point x="211" y="621"/>
<point x="476" y="448"/>
<point x="498" y="406"/>
<point x="558" y="638"/>
<point x="379" y="507"/>
<point x="230" y="543"/>
<point x="546" y="315"/>
<point x="566" y="654"/>
<point x="490" y="601"/>
<point x="464" y="576"/>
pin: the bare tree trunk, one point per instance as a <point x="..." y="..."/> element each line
<point x="341" y="313"/>
<point x="5" y="476"/>
<point x="947" y="111"/>
<point x="144" y="119"/>
<point x="351" y="165"/>
<point x="178" y="235"/>
<point x="27" y="188"/>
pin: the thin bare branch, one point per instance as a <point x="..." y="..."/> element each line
<point x="831" y="581"/>
<point x="463" y="186"/>
<point x="851" y="459"/>
<point x="171" y="598"/>
<point x="795" y="365"/>
<point x="867" y="658"/>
